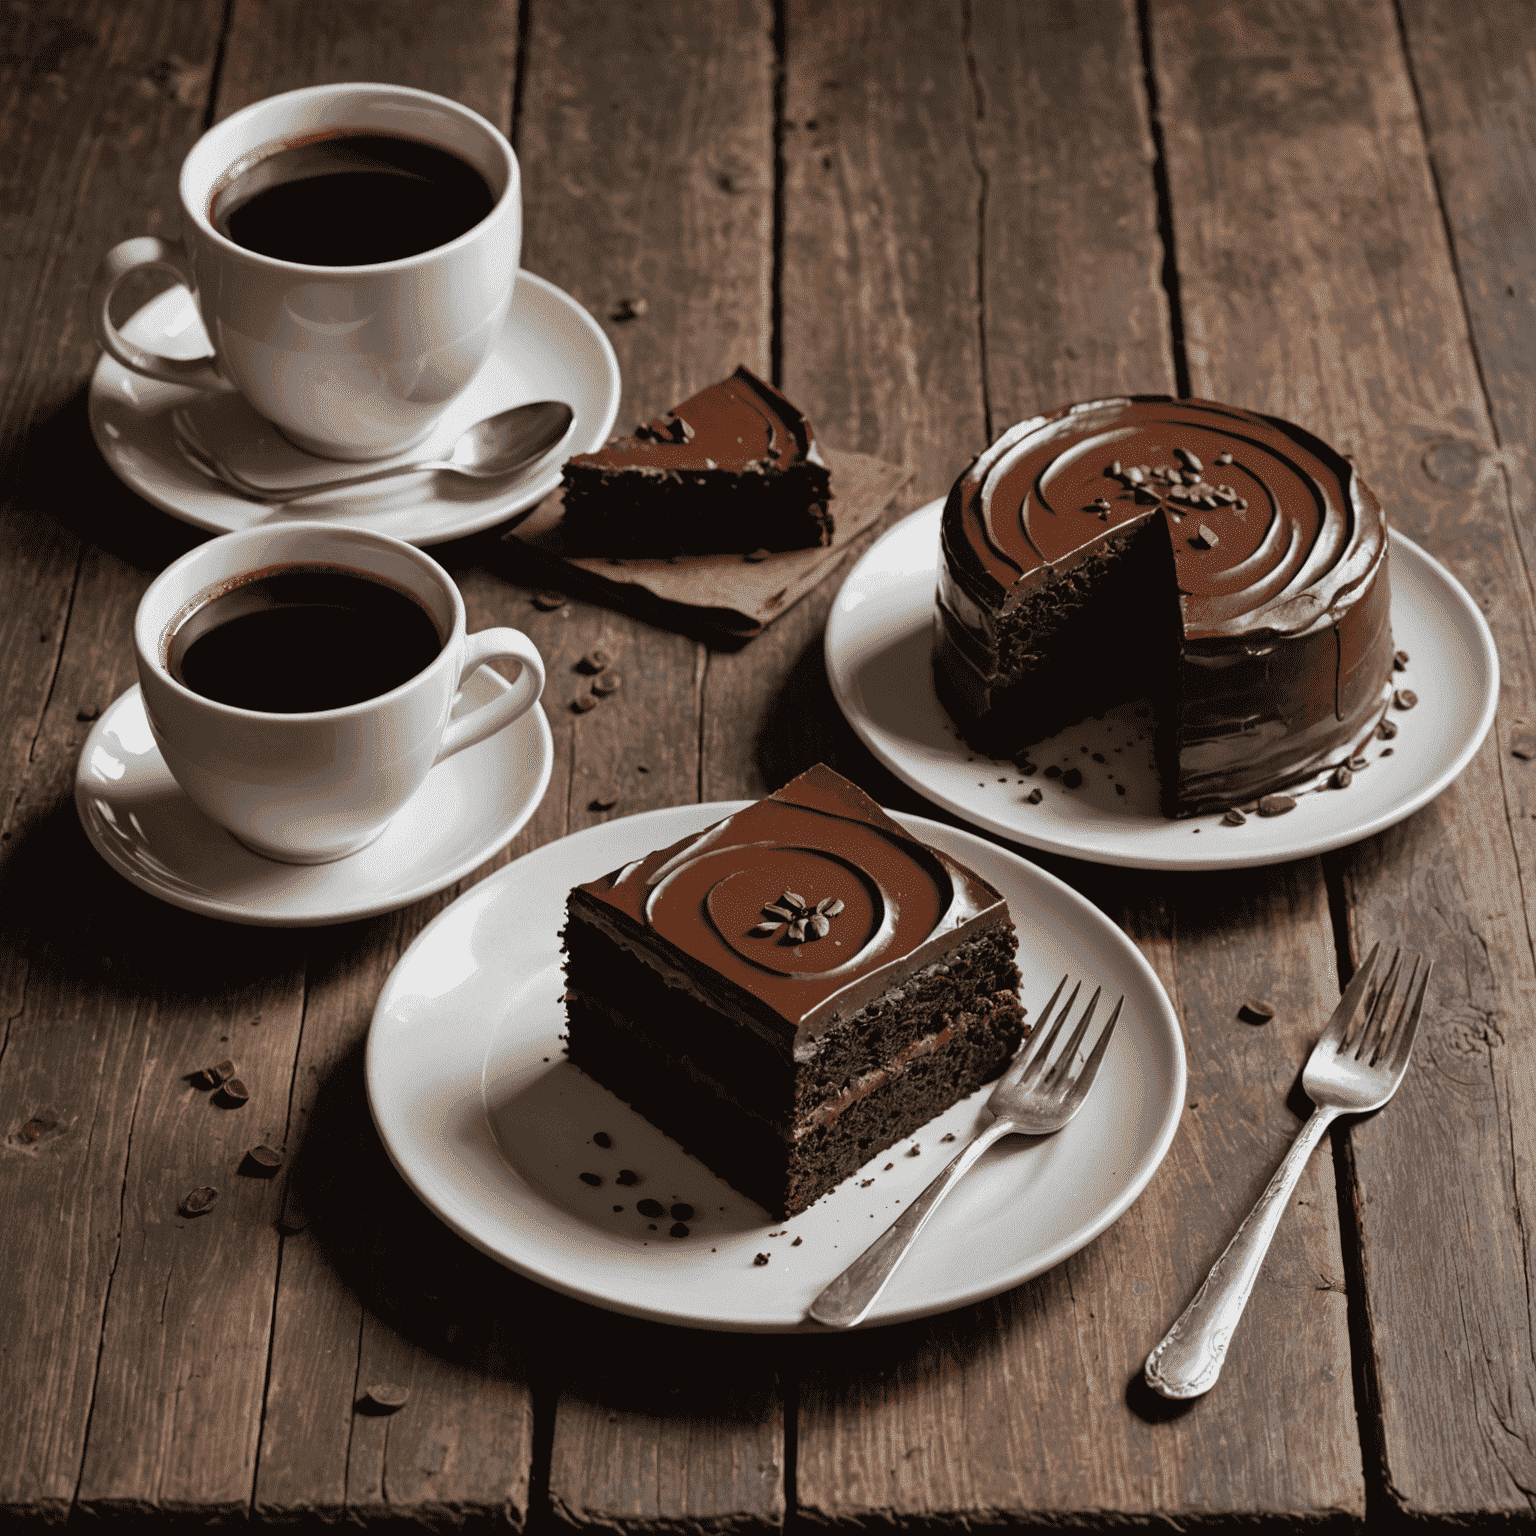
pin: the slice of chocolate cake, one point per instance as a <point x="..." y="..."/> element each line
<point x="733" y="469"/>
<point x="793" y="989"/>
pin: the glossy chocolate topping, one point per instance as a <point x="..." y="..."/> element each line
<point x="1295" y="529"/>
<point x="741" y="422"/>
<point x="729" y="899"/>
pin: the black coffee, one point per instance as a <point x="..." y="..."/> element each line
<point x="352" y="201"/>
<point x="303" y="639"/>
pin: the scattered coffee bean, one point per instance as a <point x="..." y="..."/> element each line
<point x="387" y="1397"/>
<point x="1399" y="661"/>
<point x="596" y="660"/>
<point x="1034" y="797"/>
<point x="1256" y="1010"/>
<point x="650" y="1208"/>
<point x="1343" y="777"/>
<point x="583" y="703"/>
<point x="219" y="1074"/>
<point x="262" y="1161"/>
<point x="947" y="1136"/>
<point x="1276" y="805"/>
<point x="603" y="802"/>
<point x="681" y="1211"/>
<point x="797" y="1242"/>
<point x="1388" y="729"/>
<point x="548" y="600"/>
<point x="678" y="1229"/>
<point x="594" y="1179"/>
<point x="607" y="682"/>
<point x="1386" y="751"/>
<point x="199" y="1202"/>
<point x="627" y="1176"/>
<point x="1405" y="698"/>
<point x="602" y="1138"/>
<point x="1524" y="745"/>
<point x="756" y="556"/>
<point x="1071" y="779"/>
<point x="628" y="309"/>
<point x="760" y="1259"/>
<point x="91" y="713"/>
<point x="234" y="1093"/>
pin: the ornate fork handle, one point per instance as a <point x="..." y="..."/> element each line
<point x="1192" y="1352"/>
<point x="845" y="1301"/>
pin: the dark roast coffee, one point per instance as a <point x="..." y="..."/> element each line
<point x="351" y="201"/>
<point x="303" y="639"/>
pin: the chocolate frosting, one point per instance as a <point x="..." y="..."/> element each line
<point x="740" y="423"/>
<point x="823" y="842"/>
<point x="1279" y="552"/>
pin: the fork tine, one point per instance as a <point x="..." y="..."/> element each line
<point x="1084" y="1080"/>
<point x="1407" y="1025"/>
<point x="1368" y="1045"/>
<point x="1350" y="1001"/>
<point x="1024" y="1057"/>
<point x="1063" y="1063"/>
<point x="1037" y="1057"/>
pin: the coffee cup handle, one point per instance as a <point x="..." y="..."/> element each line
<point x="134" y="256"/>
<point x="488" y="718"/>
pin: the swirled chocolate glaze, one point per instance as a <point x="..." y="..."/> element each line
<point x="721" y="906"/>
<point x="1278" y="566"/>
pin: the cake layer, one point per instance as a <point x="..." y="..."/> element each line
<point x="1274" y="661"/>
<point x="734" y="468"/>
<point x="785" y="1174"/>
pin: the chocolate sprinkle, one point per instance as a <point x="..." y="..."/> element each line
<point x="1257" y="1011"/>
<point x="1276" y="805"/>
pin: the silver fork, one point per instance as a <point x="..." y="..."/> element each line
<point x="1033" y="1099"/>
<point x="1346" y="1074"/>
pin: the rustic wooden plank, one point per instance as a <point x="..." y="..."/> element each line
<point x="1313" y="250"/>
<point x="1027" y="1409"/>
<point x="99" y="105"/>
<point x="647" y="146"/>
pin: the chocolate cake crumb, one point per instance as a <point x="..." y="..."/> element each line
<point x="1405" y="698"/>
<point x="678" y="1229"/>
<point x="797" y="1242"/>
<point x="1256" y="1010"/>
<point x="865" y="1183"/>
<point x="914" y="1151"/>
<point x="627" y="1176"/>
<point x="602" y="1138"/>
<point x="1276" y="805"/>
<point x="682" y="1211"/>
<point x="888" y="1167"/>
<point x="761" y="1258"/>
<point x="650" y="1208"/>
<point x="1071" y="779"/>
<point x="594" y="1179"/>
<point x="947" y="1136"/>
<point x="198" y="1202"/>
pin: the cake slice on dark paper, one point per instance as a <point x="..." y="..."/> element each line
<point x="733" y="469"/>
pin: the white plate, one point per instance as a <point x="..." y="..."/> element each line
<point x="493" y="1129"/>
<point x="549" y="349"/>
<point x="879" y="645"/>
<point x="143" y="825"/>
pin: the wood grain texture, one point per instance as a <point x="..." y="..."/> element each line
<point x="1028" y="1409"/>
<point x="1313" y="252"/>
<point x="647" y="148"/>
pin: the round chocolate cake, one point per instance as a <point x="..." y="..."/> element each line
<point x="1229" y="566"/>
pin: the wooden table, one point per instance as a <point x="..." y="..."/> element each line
<point x="927" y="221"/>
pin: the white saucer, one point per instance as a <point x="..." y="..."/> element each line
<point x="492" y="1129"/>
<point x="550" y="348"/>
<point x="878" y="648"/>
<point x="142" y="824"/>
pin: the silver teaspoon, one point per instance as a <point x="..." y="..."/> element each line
<point x="492" y="449"/>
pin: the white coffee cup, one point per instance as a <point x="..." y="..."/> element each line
<point x="310" y="788"/>
<point x="348" y="362"/>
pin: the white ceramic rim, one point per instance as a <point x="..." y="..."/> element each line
<point x="194" y="202"/>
